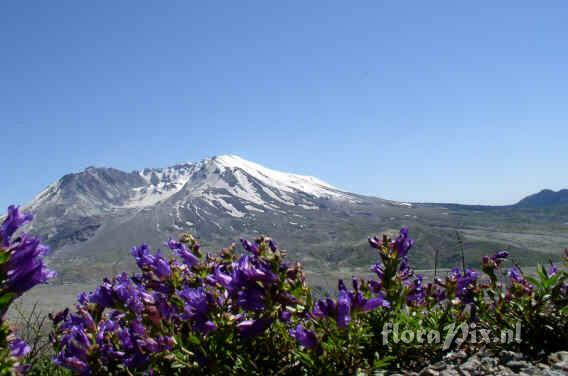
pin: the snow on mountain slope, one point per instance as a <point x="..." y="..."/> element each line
<point x="161" y="183"/>
<point x="218" y="181"/>
<point x="282" y="181"/>
<point x="236" y="186"/>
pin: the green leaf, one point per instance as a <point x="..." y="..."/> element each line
<point x="305" y="358"/>
<point x="541" y="271"/>
<point x="193" y="339"/>
<point x="4" y="257"/>
<point x="6" y="299"/>
<point x="383" y="362"/>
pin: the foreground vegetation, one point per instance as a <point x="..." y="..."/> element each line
<point x="252" y="313"/>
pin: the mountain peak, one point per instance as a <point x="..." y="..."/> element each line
<point x="287" y="182"/>
<point x="226" y="183"/>
<point x="545" y="197"/>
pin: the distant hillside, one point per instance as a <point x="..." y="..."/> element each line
<point x="544" y="198"/>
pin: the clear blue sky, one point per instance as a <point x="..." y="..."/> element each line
<point x="427" y="101"/>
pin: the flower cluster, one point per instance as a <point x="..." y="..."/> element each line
<point x="519" y="285"/>
<point x="349" y="303"/>
<point x="21" y="268"/>
<point x="21" y="256"/>
<point x="135" y="323"/>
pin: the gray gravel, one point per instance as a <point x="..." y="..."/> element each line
<point x="504" y="363"/>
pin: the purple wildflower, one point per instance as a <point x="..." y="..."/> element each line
<point x="252" y="298"/>
<point x="253" y="328"/>
<point x="285" y="316"/>
<point x="325" y="308"/>
<point x="373" y="303"/>
<point x="73" y="363"/>
<point x="26" y="268"/>
<point x="181" y="250"/>
<point x="19" y="348"/>
<point x="403" y="242"/>
<point x="162" y="267"/>
<point x="375" y="286"/>
<point x="375" y="242"/>
<point x="128" y="293"/>
<point x="305" y="337"/>
<point x="148" y="262"/>
<point x="12" y="223"/>
<point x="518" y="281"/>
<point x="343" y="309"/>
<point x="466" y="285"/>
<point x="143" y="256"/>
<point x="417" y="293"/>
<point x="379" y="269"/>
<point x="500" y="256"/>
<point x="348" y="302"/>
<point x="103" y="295"/>
<point x="273" y="245"/>
<point x="253" y="269"/>
<point x="516" y="275"/>
<point x="463" y="285"/>
<point x="251" y="247"/>
<point x="221" y="277"/>
<point x="197" y="308"/>
<point x="405" y="271"/>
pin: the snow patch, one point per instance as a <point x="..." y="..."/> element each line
<point x="291" y="183"/>
<point x="253" y="208"/>
<point x="212" y="199"/>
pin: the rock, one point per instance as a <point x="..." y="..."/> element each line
<point x="505" y="363"/>
<point x="560" y="356"/>
<point x="504" y="371"/>
<point x="471" y="366"/>
<point x="562" y="365"/>
<point x="485" y="352"/>
<point x="531" y="370"/>
<point x="506" y="356"/>
<point x="518" y="365"/>
<point x="438" y="366"/>
<point x="453" y="356"/>
<point x="489" y="362"/>
<point x="449" y="372"/>
<point x="552" y="372"/>
<point x="428" y="371"/>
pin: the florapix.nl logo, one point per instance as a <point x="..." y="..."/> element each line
<point x="452" y="334"/>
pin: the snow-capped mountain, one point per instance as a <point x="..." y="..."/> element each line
<point x="92" y="218"/>
<point x="218" y="179"/>
<point x="220" y="193"/>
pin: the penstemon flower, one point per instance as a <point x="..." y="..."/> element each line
<point x="519" y="285"/>
<point x="21" y="268"/>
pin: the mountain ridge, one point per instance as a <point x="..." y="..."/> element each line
<point x="544" y="198"/>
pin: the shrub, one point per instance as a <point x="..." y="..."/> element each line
<point x="253" y="313"/>
<point x="225" y="313"/>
